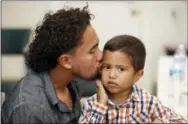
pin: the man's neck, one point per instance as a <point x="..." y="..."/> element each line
<point x="60" y="78"/>
<point x="120" y="98"/>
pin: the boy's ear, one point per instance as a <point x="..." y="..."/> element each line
<point x="65" y="60"/>
<point x="138" y="75"/>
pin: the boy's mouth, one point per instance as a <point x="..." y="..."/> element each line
<point x="112" y="83"/>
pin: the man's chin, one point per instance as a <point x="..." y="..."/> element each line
<point x="88" y="76"/>
<point x="92" y="77"/>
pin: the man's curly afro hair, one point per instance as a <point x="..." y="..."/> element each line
<point x="60" y="32"/>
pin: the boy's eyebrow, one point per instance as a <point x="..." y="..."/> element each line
<point x="122" y="66"/>
<point x="105" y="63"/>
<point x="126" y="66"/>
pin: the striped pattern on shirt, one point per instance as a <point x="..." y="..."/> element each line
<point x="141" y="107"/>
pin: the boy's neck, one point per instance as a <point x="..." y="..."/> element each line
<point x="120" y="98"/>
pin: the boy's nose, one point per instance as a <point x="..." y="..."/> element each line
<point x="112" y="74"/>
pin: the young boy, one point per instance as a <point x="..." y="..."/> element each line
<point x="118" y="99"/>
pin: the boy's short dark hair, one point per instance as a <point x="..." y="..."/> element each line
<point x="130" y="45"/>
<point x="60" y="32"/>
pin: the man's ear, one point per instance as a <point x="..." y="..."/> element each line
<point x="138" y="75"/>
<point x="65" y="60"/>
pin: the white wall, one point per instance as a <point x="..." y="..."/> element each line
<point x="153" y="23"/>
<point x="166" y="28"/>
<point x="19" y="14"/>
<point x="23" y="14"/>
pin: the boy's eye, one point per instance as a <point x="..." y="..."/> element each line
<point x="107" y="67"/>
<point x="121" y="69"/>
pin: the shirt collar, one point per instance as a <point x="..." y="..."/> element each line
<point x="136" y="94"/>
<point x="50" y="90"/>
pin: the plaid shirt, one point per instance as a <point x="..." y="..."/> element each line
<point x="141" y="107"/>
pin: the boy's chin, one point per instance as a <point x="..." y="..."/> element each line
<point x="112" y="91"/>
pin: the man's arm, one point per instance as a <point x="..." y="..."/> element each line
<point x="29" y="113"/>
<point x="93" y="112"/>
<point x="166" y="115"/>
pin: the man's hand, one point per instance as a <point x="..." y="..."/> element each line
<point x="101" y="93"/>
<point x="157" y="121"/>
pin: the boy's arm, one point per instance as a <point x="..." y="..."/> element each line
<point x="93" y="112"/>
<point x="162" y="113"/>
<point x="95" y="108"/>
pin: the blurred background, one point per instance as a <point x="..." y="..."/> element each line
<point x="161" y="25"/>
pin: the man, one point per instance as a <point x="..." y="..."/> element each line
<point x="65" y="46"/>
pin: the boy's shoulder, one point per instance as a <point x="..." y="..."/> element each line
<point x="143" y="94"/>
